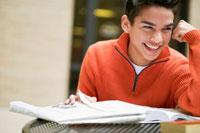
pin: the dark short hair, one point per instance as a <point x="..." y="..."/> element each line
<point x="133" y="7"/>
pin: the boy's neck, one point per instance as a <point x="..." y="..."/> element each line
<point x="136" y="58"/>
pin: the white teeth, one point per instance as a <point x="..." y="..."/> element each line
<point x="152" y="47"/>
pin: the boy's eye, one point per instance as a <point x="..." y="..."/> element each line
<point x="167" y="28"/>
<point x="148" y="27"/>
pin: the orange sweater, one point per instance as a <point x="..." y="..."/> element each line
<point x="170" y="81"/>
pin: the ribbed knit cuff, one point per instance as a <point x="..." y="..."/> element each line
<point x="192" y="36"/>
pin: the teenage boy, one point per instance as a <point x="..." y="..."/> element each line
<point x="139" y="67"/>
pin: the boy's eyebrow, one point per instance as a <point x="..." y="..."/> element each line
<point x="149" y="23"/>
<point x="172" y="24"/>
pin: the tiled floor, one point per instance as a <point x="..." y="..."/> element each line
<point x="11" y="122"/>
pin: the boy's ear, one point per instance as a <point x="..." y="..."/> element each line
<point x="125" y="23"/>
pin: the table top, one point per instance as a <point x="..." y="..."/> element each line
<point x="42" y="126"/>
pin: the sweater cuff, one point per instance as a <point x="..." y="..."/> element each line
<point x="192" y="36"/>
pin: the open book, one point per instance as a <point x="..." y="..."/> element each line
<point x="113" y="111"/>
<point x="99" y="112"/>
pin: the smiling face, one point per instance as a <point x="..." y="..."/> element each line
<point x="149" y="34"/>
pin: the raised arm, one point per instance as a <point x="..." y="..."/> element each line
<point x="188" y="88"/>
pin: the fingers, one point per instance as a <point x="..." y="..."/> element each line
<point x="71" y="100"/>
<point x="178" y="36"/>
<point x="181" y="29"/>
<point x="178" y="32"/>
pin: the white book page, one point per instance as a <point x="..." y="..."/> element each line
<point x="87" y="102"/>
<point x="113" y="105"/>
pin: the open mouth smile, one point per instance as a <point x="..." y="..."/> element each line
<point x="152" y="47"/>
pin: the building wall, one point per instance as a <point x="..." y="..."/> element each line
<point x="35" y="46"/>
<point x="194" y="11"/>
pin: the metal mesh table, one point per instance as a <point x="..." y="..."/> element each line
<point x="42" y="126"/>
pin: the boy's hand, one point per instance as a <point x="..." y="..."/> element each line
<point x="181" y="29"/>
<point x="73" y="98"/>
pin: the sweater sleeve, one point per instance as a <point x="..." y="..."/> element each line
<point x="86" y="83"/>
<point x="189" y="100"/>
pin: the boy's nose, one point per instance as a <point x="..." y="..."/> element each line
<point x="157" y="38"/>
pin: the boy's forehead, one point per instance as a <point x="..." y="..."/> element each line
<point x="156" y="15"/>
<point x="155" y="10"/>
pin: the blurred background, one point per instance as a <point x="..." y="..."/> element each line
<point x="42" y="45"/>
